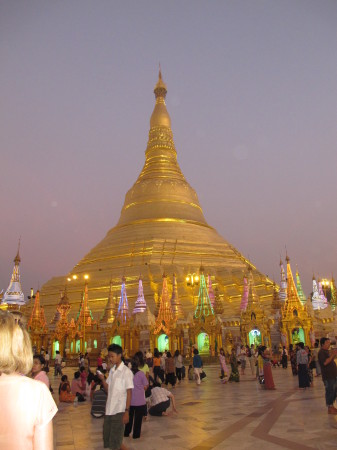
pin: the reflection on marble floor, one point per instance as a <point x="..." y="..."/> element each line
<point x="216" y="416"/>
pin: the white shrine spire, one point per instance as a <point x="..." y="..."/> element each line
<point x="14" y="294"/>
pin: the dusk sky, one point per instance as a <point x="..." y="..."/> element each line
<point x="252" y="95"/>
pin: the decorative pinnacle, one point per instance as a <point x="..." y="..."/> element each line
<point x="160" y="89"/>
<point x="17" y="259"/>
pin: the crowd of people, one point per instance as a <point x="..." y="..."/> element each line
<point x="124" y="392"/>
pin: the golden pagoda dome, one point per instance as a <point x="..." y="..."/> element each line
<point x="161" y="228"/>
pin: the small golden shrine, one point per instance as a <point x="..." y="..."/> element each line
<point x="37" y="325"/>
<point x="296" y="321"/>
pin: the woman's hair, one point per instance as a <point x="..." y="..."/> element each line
<point x="16" y="349"/>
<point x="222" y="350"/>
<point x="168" y="355"/>
<point x="64" y="378"/>
<point x="140" y="357"/>
<point x="77" y="374"/>
<point x="135" y="364"/>
<point x="176" y="353"/>
<point x="82" y="369"/>
<point x="156" y="353"/>
<point x="40" y="358"/>
<point x="301" y="345"/>
<point x="195" y="351"/>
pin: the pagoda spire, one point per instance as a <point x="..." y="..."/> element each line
<point x="175" y="302"/>
<point x="14" y="294"/>
<point x="123" y="313"/>
<point x="108" y="315"/>
<point x="210" y="290"/>
<point x="244" y="298"/>
<point x="37" y="321"/>
<point x="140" y="305"/>
<point x="299" y="289"/>
<point x="63" y="309"/>
<point x="165" y="317"/>
<point x="204" y="307"/>
<point x="84" y="315"/>
<point x="283" y="283"/>
<point x="293" y="301"/>
<point x="161" y="190"/>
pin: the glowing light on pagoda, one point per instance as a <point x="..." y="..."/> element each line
<point x="123" y="313"/>
<point x="165" y="317"/>
<point x="204" y="307"/>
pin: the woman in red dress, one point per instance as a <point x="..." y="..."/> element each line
<point x="267" y="373"/>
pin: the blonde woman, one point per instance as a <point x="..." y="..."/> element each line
<point x="27" y="407"/>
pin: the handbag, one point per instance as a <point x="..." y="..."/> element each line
<point x="202" y="375"/>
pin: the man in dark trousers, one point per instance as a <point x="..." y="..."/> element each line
<point x="326" y="360"/>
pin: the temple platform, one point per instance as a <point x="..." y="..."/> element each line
<point x="216" y="416"/>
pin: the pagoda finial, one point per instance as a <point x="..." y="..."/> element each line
<point x="160" y="117"/>
<point x="160" y="89"/>
<point x="17" y="258"/>
<point x="14" y="294"/>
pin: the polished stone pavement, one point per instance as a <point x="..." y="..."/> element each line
<point x="216" y="416"/>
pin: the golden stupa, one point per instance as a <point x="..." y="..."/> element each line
<point x="161" y="228"/>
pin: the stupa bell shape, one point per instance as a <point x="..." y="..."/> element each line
<point x="161" y="225"/>
<point x="14" y="294"/>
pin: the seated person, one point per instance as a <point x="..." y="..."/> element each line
<point x="99" y="401"/>
<point x="160" y="401"/>
<point x="76" y="385"/>
<point x="65" y="394"/>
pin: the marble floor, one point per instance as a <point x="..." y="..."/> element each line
<point x="216" y="416"/>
